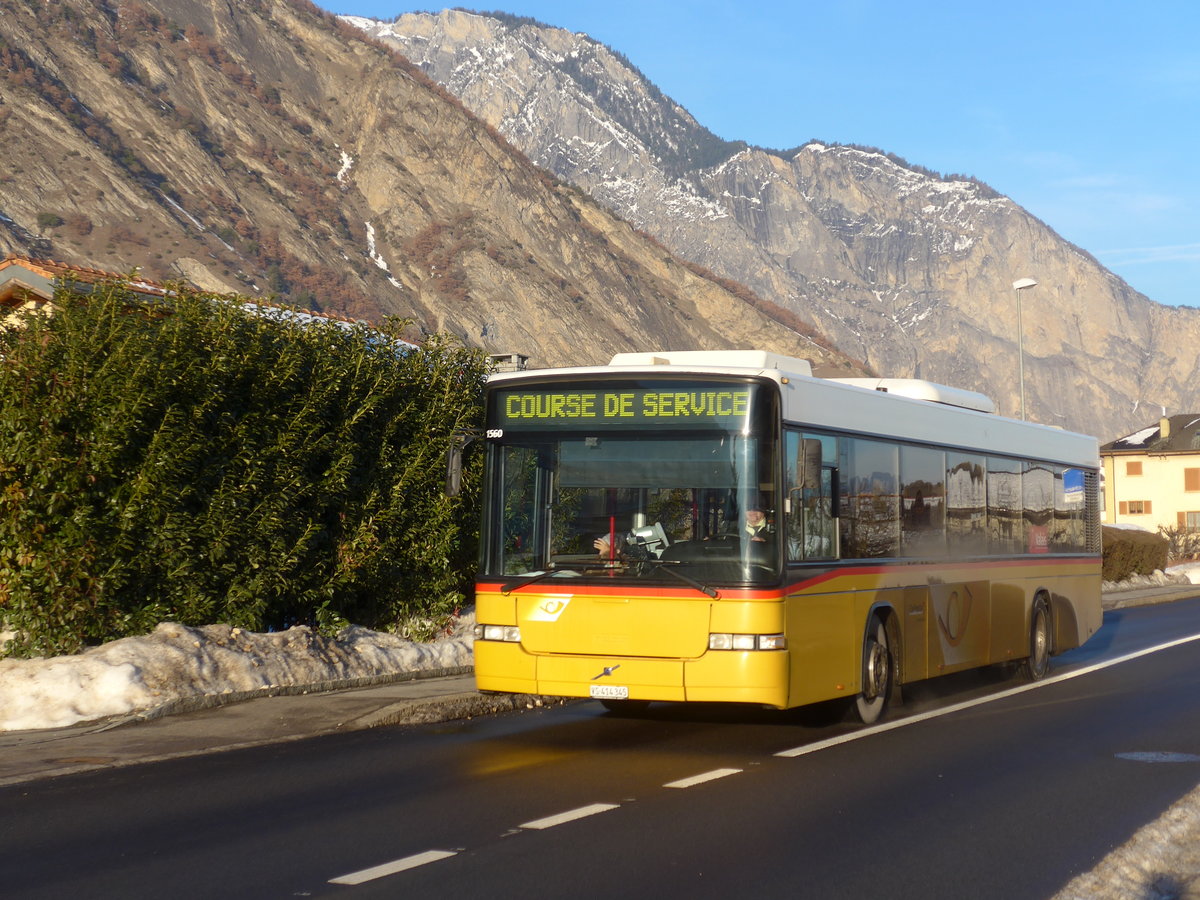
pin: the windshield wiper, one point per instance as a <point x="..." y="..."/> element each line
<point x="518" y="583"/>
<point x="686" y="579"/>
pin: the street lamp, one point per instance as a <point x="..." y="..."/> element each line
<point x="1019" y="285"/>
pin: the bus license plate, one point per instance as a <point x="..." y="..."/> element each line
<point x="609" y="691"/>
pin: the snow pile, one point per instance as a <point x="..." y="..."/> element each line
<point x="1162" y="860"/>
<point x="175" y="662"/>
<point x="1187" y="572"/>
<point x="1183" y="574"/>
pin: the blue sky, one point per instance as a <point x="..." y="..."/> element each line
<point x="1085" y="113"/>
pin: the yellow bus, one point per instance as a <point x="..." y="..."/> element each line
<point x="724" y="526"/>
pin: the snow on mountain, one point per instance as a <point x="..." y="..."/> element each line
<point x="901" y="267"/>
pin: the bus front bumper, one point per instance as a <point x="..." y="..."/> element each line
<point x="726" y="676"/>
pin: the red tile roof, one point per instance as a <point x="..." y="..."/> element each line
<point x="53" y="270"/>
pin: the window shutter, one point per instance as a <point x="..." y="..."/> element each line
<point x="1146" y="507"/>
<point x="1124" y="508"/>
<point x="1182" y="520"/>
<point x="1133" y="468"/>
<point x="1191" y="479"/>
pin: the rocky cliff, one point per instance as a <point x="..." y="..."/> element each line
<point x="901" y="267"/>
<point x="267" y="148"/>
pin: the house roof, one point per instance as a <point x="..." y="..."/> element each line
<point x="1183" y="436"/>
<point x="23" y="278"/>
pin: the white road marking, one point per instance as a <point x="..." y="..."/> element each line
<point x="1159" y="756"/>
<point x="570" y="815"/>
<point x="399" y="865"/>
<point x="967" y="704"/>
<point x="700" y="779"/>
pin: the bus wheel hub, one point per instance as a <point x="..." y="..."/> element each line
<point x="876" y="674"/>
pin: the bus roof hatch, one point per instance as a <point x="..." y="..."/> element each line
<point x="916" y="389"/>
<point x="723" y="359"/>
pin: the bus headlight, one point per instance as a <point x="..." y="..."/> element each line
<point x="509" y="633"/>
<point x="747" y="642"/>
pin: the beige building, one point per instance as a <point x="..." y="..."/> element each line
<point x="1152" y="477"/>
<point x="29" y="284"/>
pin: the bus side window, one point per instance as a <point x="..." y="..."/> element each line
<point x="811" y="522"/>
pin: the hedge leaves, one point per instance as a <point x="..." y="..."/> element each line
<point x="195" y="460"/>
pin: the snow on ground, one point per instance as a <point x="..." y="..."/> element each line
<point x="1160" y="862"/>
<point x="1184" y="573"/>
<point x="1190" y="571"/>
<point x="175" y="662"/>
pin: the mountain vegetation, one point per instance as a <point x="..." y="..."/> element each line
<point x="904" y="268"/>
<point x="528" y="190"/>
<point x="269" y="148"/>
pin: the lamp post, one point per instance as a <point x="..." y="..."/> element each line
<point x="1019" y="285"/>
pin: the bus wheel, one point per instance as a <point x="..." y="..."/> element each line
<point x="1037" y="665"/>
<point x="876" y="674"/>
<point x="626" y="707"/>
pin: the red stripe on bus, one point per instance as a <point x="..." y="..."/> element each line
<point x="823" y="575"/>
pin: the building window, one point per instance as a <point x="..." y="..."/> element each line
<point x="1191" y="479"/>
<point x="1189" y="521"/>
<point x="1134" y="507"/>
<point x="1133" y="468"/>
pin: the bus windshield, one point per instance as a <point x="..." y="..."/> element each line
<point x="649" y="503"/>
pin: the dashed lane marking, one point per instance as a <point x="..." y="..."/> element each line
<point x="430" y="856"/>
<point x="391" y="868"/>
<point x="570" y="816"/>
<point x="702" y="778"/>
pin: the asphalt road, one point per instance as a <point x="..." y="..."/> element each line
<point x="1005" y="798"/>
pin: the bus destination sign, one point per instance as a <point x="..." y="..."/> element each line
<point x="693" y="405"/>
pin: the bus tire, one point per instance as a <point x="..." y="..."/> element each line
<point x="1036" y="666"/>
<point x="878" y="673"/>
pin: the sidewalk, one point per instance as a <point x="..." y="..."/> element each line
<point x="201" y="727"/>
<point x="212" y="724"/>
<point x="1147" y="595"/>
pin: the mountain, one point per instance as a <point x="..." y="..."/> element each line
<point x="896" y="265"/>
<point x="267" y="148"/>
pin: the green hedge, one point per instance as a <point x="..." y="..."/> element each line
<point x="1132" y="552"/>
<point x="196" y="461"/>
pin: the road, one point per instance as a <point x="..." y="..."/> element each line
<point x="994" y="794"/>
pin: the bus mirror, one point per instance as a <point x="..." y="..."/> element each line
<point x="810" y="463"/>
<point x="458" y="441"/>
<point x="793" y="502"/>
